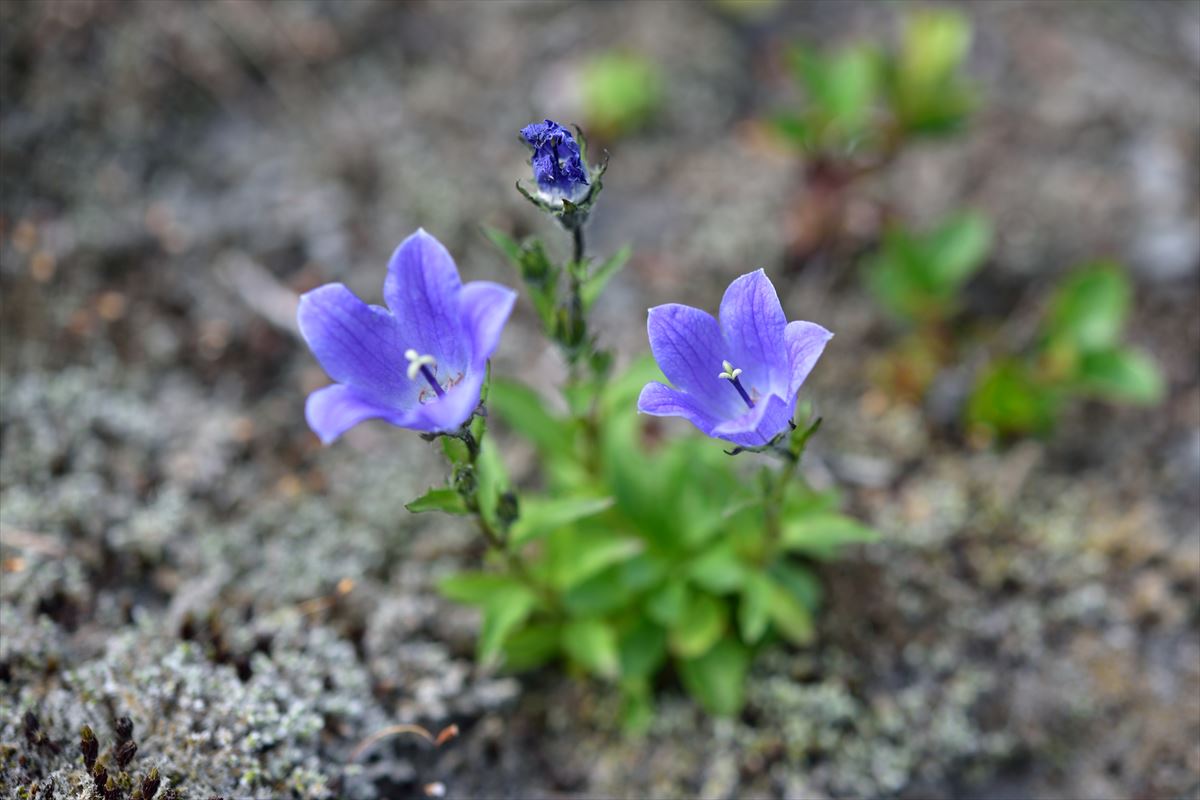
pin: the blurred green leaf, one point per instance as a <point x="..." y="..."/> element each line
<point x="699" y="627"/>
<point x="666" y="606"/>
<point x="719" y="569"/>
<point x="492" y="479"/>
<point x="935" y="43"/>
<point x="717" y="678"/>
<point x="541" y="515"/>
<point x="505" y="244"/>
<point x="573" y="558"/>
<point x="476" y="588"/>
<point x="441" y="498"/>
<point x="1122" y="375"/>
<point x="928" y="93"/>
<point x="754" y="607"/>
<point x="637" y="706"/>
<point x="956" y="249"/>
<point x="917" y="275"/>
<point x="643" y="650"/>
<point x="593" y="644"/>
<point x="531" y="646"/>
<point x="1007" y="399"/>
<point x="1088" y="311"/>
<point x="799" y="581"/>
<point x="600" y="277"/>
<point x="602" y="593"/>
<point x="522" y="409"/>
<point x="621" y="91"/>
<point x="790" y="617"/>
<point x="504" y="611"/>
<point x="841" y="88"/>
<point x="820" y="535"/>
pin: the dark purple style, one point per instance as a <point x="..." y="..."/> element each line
<point x="420" y="363"/>
<point x="735" y="379"/>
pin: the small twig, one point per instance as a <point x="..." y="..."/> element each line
<point x="447" y="733"/>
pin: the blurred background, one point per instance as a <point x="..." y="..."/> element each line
<point x="1021" y="420"/>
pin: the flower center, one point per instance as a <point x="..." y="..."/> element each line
<point x="730" y="374"/>
<point x="419" y="364"/>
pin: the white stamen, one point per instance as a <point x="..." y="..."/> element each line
<point x="416" y="361"/>
<point x="730" y="374"/>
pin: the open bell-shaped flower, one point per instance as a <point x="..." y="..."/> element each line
<point x="420" y="363"/>
<point x="735" y="379"/>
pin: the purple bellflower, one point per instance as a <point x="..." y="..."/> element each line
<point x="737" y="379"/>
<point x="419" y="363"/>
<point x="558" y="166"/>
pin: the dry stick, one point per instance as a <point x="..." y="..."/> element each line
<point x="448" y="733"/>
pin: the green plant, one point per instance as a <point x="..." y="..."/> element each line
<point x="621" y="92"/>
<point x="648" y="552"/>
<point x="917" y="276"/>
<point x="1078" y="354"/>
<point x="864" y="100"/>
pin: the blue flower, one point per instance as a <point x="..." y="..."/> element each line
<point x="737" y="379"/>
<point x="558" y="166"/>
<point x="419" y="363"/>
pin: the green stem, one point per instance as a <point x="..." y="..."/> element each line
<point x="495" y="538"/>
<point x="773" y="502"/>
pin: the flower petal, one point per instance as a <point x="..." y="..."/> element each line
<point x="689" y="349"/>
<point x="759" y="425"/>
<point x="805" y="343"/>
<point x="752" y="322"/>
<point x="421" y="289"/>
<point x="446" y="414"/>
<point x="356" y="344"/>
<point x="660" y="400"/>
<point x="335" y="409"/>
<point x="484" y="307"/>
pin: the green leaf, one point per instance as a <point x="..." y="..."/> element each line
<point x="442" y="498"/>
<point x="789" y="615"/>
<point x="799" y="581"/>
<point x="574" y="558"/>
<point x="503" y="613"/>
<point x="593" y="644"/>
<point x="600" y="277"/>
<point x="542" y="515"/>
<point x="718" y="569"/>
<point x="621" y="91"/>
<point x="935" y="44"/>
<point x="1088" y="311"/>
<point x="820" y="535"/>
<point x="522" y="409"/>
<point x="531" y="646"/>
<point x="637" y="707"/>
<point x="1121" y="375"/>
<point x="841" y="87"/>
<point x="505" y="244"/>
<point x="492" y="479"/>
<point x="699" y="627"/>
<point x="603" y="593"/>
<point x="754" y="608"/>
<point x="718" y="677"/>
<point x="956" y="249"/>
<point x="643" y="649"/>
<point x="928" y="93"/>
<point x="476" y="588"/>
<point x="1007" y="399"/>
<point x="666" y="606"/>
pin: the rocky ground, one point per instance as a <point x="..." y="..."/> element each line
<point x="177" y="548"/>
